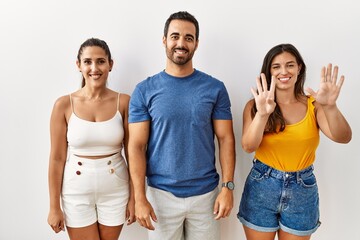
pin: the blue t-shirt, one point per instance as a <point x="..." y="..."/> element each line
<point x="181" y="148"/>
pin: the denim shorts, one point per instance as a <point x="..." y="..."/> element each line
<point x="274" y="199"/>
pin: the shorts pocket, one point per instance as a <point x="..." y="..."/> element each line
<point x="255" y="174"/>
<point x="308" y="181"/>
<point x="69" y="173"/>
<point x="121" y="171"/>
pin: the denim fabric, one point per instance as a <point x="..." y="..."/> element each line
<point x="273" y="199"/>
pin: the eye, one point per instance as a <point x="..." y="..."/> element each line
<point x="275" y="67"/>
<point x="174" y="37"/>
<point x="101" y="61"/>
<point x="291" y="65"/>
<point x="87" y="62"/>
<point x="189" y="39"/>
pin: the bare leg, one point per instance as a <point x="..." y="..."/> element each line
<point x="84" y="233"/>
<point x="287" y="236"/>
<point x="109" y="233"/>
<point x="252" y="234"/>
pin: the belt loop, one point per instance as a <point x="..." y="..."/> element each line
<point x="298" y="177"/>
<point x="267" y="174"/>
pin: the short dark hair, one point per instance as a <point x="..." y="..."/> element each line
<point x="185" y="16"/>
<point x="93" y="42"/>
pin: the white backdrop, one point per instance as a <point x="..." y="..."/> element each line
<point x="40" y="39"/>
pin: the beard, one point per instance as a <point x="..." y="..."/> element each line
<point x="170" y="53"/>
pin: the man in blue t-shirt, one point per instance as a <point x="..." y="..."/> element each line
<point x="173" y="118"/>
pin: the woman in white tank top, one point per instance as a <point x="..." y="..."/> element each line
<point x="88" y="177"/>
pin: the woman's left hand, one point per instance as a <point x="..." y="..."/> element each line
<point x="329" y="86"/>
<point x="130" y="211"/>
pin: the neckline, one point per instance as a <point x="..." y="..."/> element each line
<point x="84" y="120"/>
<point x="309" y="101"/>
<point x="168" y="76"/>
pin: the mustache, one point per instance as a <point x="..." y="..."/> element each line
<point x="181" y="49"/>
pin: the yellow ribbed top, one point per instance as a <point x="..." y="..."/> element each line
<point x="294" y="148"/>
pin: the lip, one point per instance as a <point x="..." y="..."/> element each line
<point x="180" y="51"/>
<point x="95" y="75"/>
<point x="284" y="79"/>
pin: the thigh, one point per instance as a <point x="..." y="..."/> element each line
<point x="170" y="212"/>
<point x="109" y="233"/>
<point x="287" y="236"/>
<point x="84" y="233"/>
<point x="252" y="234"/>
<point x="200" y="222"/>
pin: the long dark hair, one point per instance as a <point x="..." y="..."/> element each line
<point x="276" y="121"/>
<point x="93" y="42"/>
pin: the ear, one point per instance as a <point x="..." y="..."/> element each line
<point x="164" y="41"/>
<point x="78" y="65"/>
<point x="196" y="44"/>
<point x="300" y="66"/>
<point x="111" y="63"/>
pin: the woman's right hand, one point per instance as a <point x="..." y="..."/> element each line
<point x="264" y="98"/>
<point x="56" y="220"/>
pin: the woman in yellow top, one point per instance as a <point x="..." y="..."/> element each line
<point x="281" y="124"/>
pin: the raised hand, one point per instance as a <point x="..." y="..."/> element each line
<point x="264" y="98"/>
<point x="329" y="89"/>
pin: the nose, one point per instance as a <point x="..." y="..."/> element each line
<point x="283" y="70"/>
<point x="181" y="42"/>
<point x="94" y="66"/>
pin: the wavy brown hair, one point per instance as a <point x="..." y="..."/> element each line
<point x="276" y="122"/>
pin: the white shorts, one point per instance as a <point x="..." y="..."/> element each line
<point x="95" y="190"/>
<point x="190" y="218"/>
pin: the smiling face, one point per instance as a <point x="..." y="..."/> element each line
<point x="285" y="69"/>
<point x="180" y="42"/>
<point x="94" y="65"/>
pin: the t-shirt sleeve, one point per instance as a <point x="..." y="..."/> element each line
<point x="138" y="110"/>
<point x="222" y="110"/>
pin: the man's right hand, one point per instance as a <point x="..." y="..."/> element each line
<point x="143" y="213"/>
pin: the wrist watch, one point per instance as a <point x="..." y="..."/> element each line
<point x="230" y="185"/>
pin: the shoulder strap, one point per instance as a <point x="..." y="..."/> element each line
<point x="118" y="102"/>
<point x="72" y="106"/>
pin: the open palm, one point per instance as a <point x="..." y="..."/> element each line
<point x="329" y="89"/>
<point x="264" y="98"/>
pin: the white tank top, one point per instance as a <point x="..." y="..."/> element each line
<point x="86" y="138"/>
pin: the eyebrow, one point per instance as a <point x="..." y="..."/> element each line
<point x="178" y="34"/>
<point x="285" y="63"/>
<point x="101" y="58"/>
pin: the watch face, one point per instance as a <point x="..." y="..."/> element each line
<point x="231" y="185"/>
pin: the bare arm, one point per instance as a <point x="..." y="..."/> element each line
<point x="331" y="122"/>
<point x="124" y="109"/>
<point x="253" y="128"/>
<point x="224" y="132"/>
<point x="138" y="139"/>
<point x="58" y="153"/>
